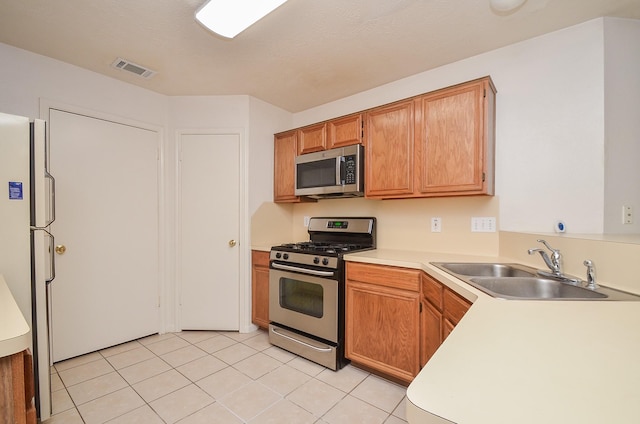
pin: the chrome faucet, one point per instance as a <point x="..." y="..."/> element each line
<point x="591" y="275"/>
<point x="554" y="262"/>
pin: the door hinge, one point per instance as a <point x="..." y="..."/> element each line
<point x="483" y="176"/>
<point x="420" y="307"/>
<point x="484" y="93"/>
<point x="362" y="130"/>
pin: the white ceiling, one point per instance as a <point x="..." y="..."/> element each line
<point x="305" y="53"/>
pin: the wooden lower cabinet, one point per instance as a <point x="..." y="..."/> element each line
<point x="17" y="394"/>
<point x="442" y="310"/>
<point x="396" y="318"/>
<point x="383" y="321"/>
<point x="260" y="288"/>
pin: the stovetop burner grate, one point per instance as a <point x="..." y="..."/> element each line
<point x="319" y="247"/>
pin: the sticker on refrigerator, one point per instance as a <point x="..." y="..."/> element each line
<point x="15" y="190"/>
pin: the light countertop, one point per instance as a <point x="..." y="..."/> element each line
<point x="511" y="361"/>
<point x="15" y="335"/>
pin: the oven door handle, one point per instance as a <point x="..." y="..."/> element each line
<point x="302" y="270"/>
<point x="319" y="349"/>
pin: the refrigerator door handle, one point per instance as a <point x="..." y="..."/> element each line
<point x="52" y="258"/>
<point x="52" y="198"/>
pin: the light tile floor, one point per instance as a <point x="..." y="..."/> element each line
<point x="216" y="377"/>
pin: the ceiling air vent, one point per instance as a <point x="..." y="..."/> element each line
<point x="129" y="66"/>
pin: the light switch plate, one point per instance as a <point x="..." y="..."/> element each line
<point x="627" y="215"/>
<point x="483" y="224"/>
<point x="306" y="221"/>
<point x="436" y="225"/>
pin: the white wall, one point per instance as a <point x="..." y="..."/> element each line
<point x="549" y="129"/>
<point x="25" y="78"/>
<point x="622" y="123"/>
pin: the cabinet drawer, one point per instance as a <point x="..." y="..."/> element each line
<point x="432" y="290"/>
<point x="455" y="306"/>
<point x="401" y="278"/>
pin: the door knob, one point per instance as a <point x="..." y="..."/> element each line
<point x="60" y="249"/>
<point x="232" y="243"/>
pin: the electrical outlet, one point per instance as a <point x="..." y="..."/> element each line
<point x="627" y="215"/>
<point x="483" y="224"/>
<point x="306" y="221"/>
<point x="436" y="225"/>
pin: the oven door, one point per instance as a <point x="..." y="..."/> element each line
<point x="304" y="302"/>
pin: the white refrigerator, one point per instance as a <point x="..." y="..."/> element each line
<point x="27" y="209"/>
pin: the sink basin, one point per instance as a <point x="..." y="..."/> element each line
<point x="486" y="269"/>
<point x="533" y="288"/>
<point x="515" y="281"/>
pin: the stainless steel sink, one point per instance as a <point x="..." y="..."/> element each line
<point x="533" y="288"/>
<point x="516" y="281"/>
<point x="487" y="269"/>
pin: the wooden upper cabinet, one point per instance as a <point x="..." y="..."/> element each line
<point x="312" y="138"/>
<point x="455" y="140"/>
<point x="436" y="144"/>
<point x="389" y="150"/>
<point x="285" y="146"/>
<point x="345" y="131"/>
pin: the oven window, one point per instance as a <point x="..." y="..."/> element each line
<point x="301" y="296"/>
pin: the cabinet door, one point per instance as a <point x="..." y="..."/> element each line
<point x="455" y="128"/>
<point x="389" y="142"/>
<point x="312" y="138"/>
<point x="431" y="330"/>
<point x="345" y="131"/>
<point x="260" y="288"/>
<point x="383" y="329"/>
<point x="454" y="309"/>
<point x="285" y="145"/>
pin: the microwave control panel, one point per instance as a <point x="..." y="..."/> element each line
<point x="350" y="169"/>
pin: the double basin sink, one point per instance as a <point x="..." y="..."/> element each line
<point x="515" y="281"/>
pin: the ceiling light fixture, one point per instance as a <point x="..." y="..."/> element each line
<point x="506" y="5"/>
<point x="229" y="18"/>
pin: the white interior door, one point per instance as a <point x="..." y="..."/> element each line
<point x="106" y="288"/>
<point x="209" y="209"/>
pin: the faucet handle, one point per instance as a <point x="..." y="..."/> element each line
<point x="556" y="257"/>
<point x="554" y="251"/>
<point x="591" y="274"/>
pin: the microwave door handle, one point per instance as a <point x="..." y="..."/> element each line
<point x="340" y="170"/>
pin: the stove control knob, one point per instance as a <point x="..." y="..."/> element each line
<point x="316" y="260"/>
<point x="285" y="256"/>
<point x="325" y="261"/>
<point x="278" y="255"/>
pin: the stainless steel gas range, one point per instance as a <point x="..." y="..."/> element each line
<point x="306" y="288"/>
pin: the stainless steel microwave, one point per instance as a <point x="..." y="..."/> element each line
<point x="331" y="173"/>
